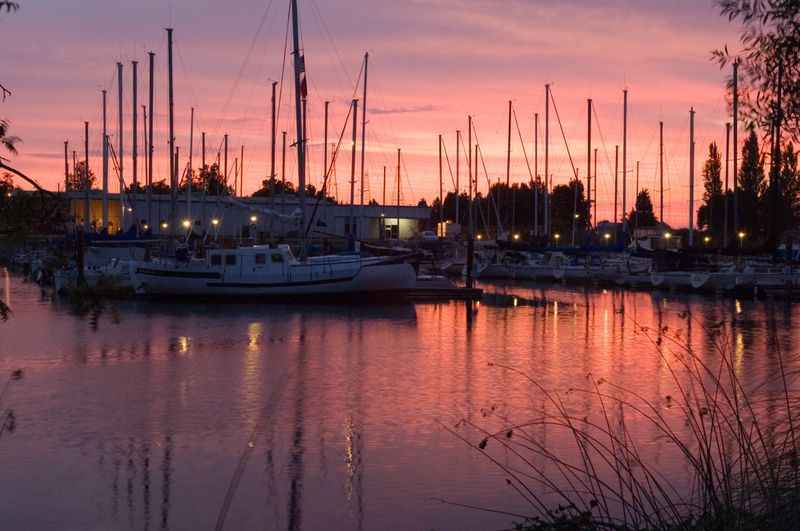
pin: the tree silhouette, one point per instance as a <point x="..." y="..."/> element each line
<point x="752" y="187"/>
<point x="81" y="179"/>
<point x="711" y="213"/>
<point x="642" y="215"/>
<point x="770" y="39"/>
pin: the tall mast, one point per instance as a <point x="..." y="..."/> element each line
<point x="172" y="169"/>
<point x="691" y="177"/>
<point x="299" y="93"/>
<point x="508" y="148"/>
<point x="135" y="109"/>
<point x="458" y="184"/>
<point x="635" y="209"/>
<point x="384" y="187"/>
<point x="66" y="165"/>
<point x="283" y="160"/>
<point x="735" y="146"/>
<point x="547" y="160"/>
<point x="87" y="218"/>
<point x="241" y="171"/>
<point x="469" y="160"/>
<point x="272" y="133"/>
<point x="725" y="192"/>
<point x="595" y="188"/>
<point x="150" y="113"/>
<point x="616" y="183"/>
<point x="624" y="158"/>
<point x="441" y="187"/>
<point x="661" y="171"/>
<point x="535" y="184"/>
<point x="120" y="145"/>
<point x="189" y="170"/>
<point x="353" y="170"/>
<point x="225" y="157"/>
<point x="105" y="162"/>
<point x="398" y="193"/>
<point x="325" y="143"/>
<point x="589" y="158"/>
<point x="364" y="127"/>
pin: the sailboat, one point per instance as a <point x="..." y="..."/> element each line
<point x="264" y="271"/>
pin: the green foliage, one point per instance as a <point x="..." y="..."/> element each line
<point x="769" y="37"/>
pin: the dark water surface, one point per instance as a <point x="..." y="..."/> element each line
<point x="142" y="415"/>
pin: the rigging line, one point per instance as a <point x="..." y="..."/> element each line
<point x="524" y="151"/>
<point x="602" y="139"/>
<point x="563" y="135"/>
<point x="449" y="168"/>
<point x="242" y="67"/>
<point x="489" y="194"/>
<point x="283" y="68"/>
<point x="318" y="12"/>
<point x="329" y="170"/>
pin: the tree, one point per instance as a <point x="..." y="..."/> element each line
<point x="81" y="179"/>
<point x="711" y="213"/>
<point x="563" y="211"/>
<point x="273" y="186"/>
<point x="642" y="215"/>
<point x="212" y="182"/>
<point x="752" y="188"/>
<point x="770" y="39"/>
<point x="788" y="204"/>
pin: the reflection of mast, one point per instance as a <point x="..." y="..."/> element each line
<point x="146" y="483"/>
<point x="295" y="508"/>
<point x="166" y="470"/>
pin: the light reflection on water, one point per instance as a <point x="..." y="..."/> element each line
<point x="137" y="415"/>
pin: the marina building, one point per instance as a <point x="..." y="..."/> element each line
<point x="261" y="217"/>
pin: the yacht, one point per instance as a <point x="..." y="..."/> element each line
<point x="264" y="271"/>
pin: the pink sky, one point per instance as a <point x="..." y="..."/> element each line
<point x="432" y="62"/>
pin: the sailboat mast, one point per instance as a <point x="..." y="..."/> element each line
<point x="150" y="113"/>
<point x="691" y="177"/>
<point x="508" y="148"/>
<point x="272" y="132"/>
<point x="172" y="169"/>
<point x="105" y="163"/>
<point x="364" y="127"/>
<point x="661" y="171"/>
<point x="624" y="157"/>
<point x="725" y="192"/>
<point x="535" y="183"/>
<point x="589" y="158"/>
<point x="735" y="146"/>
<point x="135" y="110"/>
<point x="189" y="170"/>
<point x="547" y="160"/>
<point x="441" y="186"/>
<point x="616" y="182"/>
<point x="299" y="94"/>
<point x="458" y="168"/>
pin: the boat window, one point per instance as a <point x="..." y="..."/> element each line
<point x="261" y="259"/>
<point x="230" y="259"/>
<point x="216" y="259"/>
<point x="277" y="258"/>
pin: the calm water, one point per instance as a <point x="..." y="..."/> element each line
<point x="143" y="415"/>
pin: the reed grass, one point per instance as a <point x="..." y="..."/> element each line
<point x="737" y="446"/>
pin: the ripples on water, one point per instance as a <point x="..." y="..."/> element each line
<point x="138" y="415"/>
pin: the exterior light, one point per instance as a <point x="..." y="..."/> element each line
<point x="253" y="218"/>
<point x="480" y="236"/>
<point x="516" y="236"/>
<point x="577" y="216"/>
<point x="145" y="226"/>
<point x="8" y="194"/>
<point x="215" y="222"/>
<point x="606" y="236"/>
<point x="707" y="239"/>
<point x="557" y="236"/>
<point x="667" y="235"/>
<point x="130" y="209"/>
<point x="186" y="223"/>
<point x="741" y="235"/>
<point x="164" y="225"/>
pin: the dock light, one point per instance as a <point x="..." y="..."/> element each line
<point x="253" y="218"/>
<point x="607" y="236"/>
<point x="146" y="226"/>
<point x="577" y="216"/>
<point x="130" y="209"/>
<point x="557" y="236"/>
<point x="186" y="223"/>
<point x="667" y="235"/>
<point x="707" y="239"/>
<point x="215" y="222"/>
<point x="742" y="235"/>
<point x="516" y="236"/>
<point x="479" y="236"/>
<point x="8" y="194"/>
<point x="164" y="225"/>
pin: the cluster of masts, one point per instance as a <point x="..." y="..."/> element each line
<point x="542" y="187"/>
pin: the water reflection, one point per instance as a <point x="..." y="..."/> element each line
<point x="339" y="406"/>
